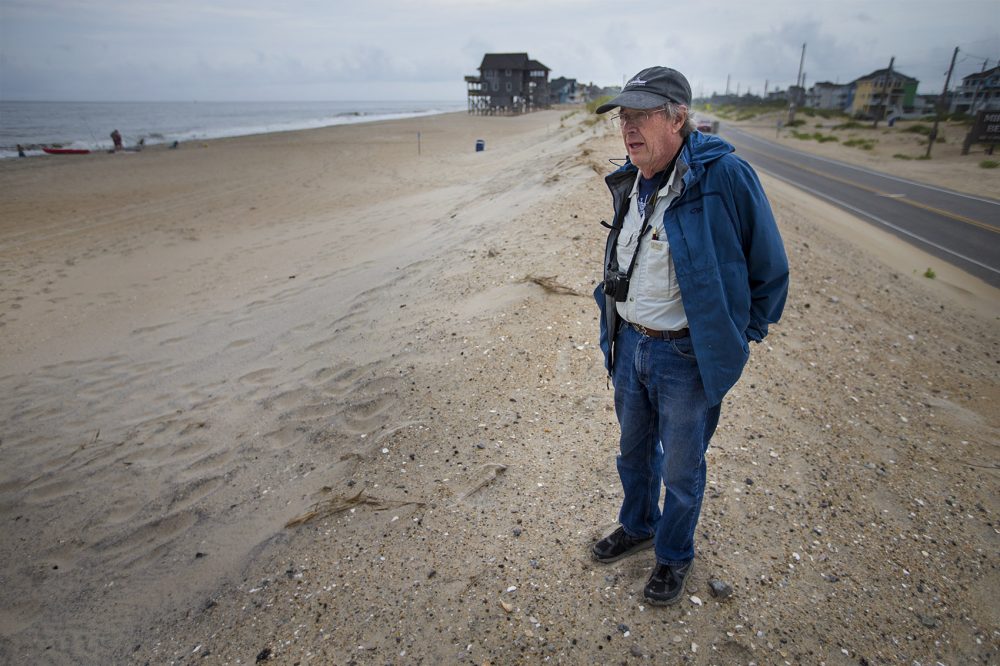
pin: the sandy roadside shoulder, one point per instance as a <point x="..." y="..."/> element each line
<point x="851" y="503"/>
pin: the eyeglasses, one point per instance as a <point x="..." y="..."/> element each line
<point x="633" y="117"/>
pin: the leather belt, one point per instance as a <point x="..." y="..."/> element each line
<point x="663" y="335"/>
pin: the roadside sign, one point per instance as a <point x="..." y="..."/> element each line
<point x="986" y="129"/>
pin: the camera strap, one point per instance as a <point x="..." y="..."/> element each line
<point x="648" y="213"/>
<point x="638" y="242"/>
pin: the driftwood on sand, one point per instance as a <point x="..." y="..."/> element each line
<point x="549" y="284"/>
<point x="340" y="503"/>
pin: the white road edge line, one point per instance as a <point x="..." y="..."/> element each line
<point x="870" y="171"/>
<point x="879" y="220"/>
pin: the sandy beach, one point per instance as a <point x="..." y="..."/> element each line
<point x="318" y="397"/>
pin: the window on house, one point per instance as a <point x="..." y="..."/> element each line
<point x="509" y="86"/>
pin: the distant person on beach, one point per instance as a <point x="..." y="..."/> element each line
<point x="116" y="138"/>
<point x="694" y="271"/>
<point x="20" y="151"/>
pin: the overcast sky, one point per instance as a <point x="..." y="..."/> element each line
<point x="149" y="50"/>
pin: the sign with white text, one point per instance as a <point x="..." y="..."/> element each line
<point x="986" y="128"/>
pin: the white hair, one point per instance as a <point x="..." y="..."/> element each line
<point x="674" y="110"/>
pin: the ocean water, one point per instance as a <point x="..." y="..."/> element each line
<point x="89" y="124"/>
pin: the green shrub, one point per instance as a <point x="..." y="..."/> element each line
<point x="852" y="124"/>
<point x="815" y="136"/>
<point x="822" y="113"/>
<point x="900" y="156"/>
<point x="863" y="144"/>
<point x="918" y="129"/>
<point x="989" y="164"/>
<point x="798" y="122"/>
<point x="592" y="105"/>
<point x="744" y="110"/>
<point x="929" y="273"/>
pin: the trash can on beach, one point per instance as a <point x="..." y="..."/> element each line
<point x="480" y="145"/>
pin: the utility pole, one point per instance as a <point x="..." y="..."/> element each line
<point x="802" y="61"/>
<point x="791" y="104"/>
<point x="886" y="93"/>
<point x="727" y="85"/>
<point x="932" y="137"/>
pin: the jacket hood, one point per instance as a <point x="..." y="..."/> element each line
<point x="704" y="148"/>
<point x="700" y="150"/>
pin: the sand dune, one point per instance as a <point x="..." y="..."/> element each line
<point x="197" y="341"/>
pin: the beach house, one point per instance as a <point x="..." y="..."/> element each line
<point x="564" y="91"/>
<point x="880" y="93"/>
<point x="978" y="92"/>
<point x="508" y="83"/>
<point x="827" y="95"/>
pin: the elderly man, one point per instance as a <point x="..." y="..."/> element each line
<point x="694" y="270"/>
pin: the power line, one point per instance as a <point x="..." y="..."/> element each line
<point x="973" y="56"/>
<point x="993" y="41"/>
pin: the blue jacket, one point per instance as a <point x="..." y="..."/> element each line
<point x="730" y="261"/>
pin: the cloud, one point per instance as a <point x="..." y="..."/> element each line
<point x="316" y="49"/>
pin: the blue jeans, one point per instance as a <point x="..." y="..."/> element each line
<point x="666" y="424"/>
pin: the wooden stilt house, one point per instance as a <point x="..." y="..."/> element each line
<point x="508" y="83"/>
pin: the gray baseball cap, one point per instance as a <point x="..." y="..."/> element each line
<point x="650" y="88"/>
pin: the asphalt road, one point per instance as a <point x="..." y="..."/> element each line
<point x="960" y="228"/>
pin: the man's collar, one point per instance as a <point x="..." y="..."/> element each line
<point x="666" y="186"/>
